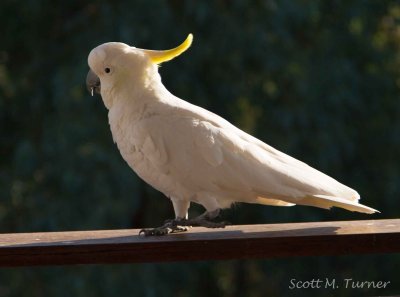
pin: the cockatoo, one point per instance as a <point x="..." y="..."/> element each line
<point x="193" y="155"/>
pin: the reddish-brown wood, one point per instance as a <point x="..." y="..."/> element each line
<point x="233" y="242"/>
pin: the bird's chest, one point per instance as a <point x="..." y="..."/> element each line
<point x="128" y="134"/>
<point x="140" y="148"/>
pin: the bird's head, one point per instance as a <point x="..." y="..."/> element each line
<point x="114" y="63"/>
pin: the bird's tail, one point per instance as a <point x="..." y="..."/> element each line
<point x="324" y="201"/>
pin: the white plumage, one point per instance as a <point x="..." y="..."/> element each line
<point x="193" y="155"/>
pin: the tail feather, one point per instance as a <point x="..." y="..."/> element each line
<point x="324" y="201"/>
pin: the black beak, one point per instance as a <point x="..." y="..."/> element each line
<point x="93" y="83"/>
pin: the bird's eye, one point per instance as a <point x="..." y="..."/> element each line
<point x="107" y="70"/>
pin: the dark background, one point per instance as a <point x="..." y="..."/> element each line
<point x="318" y="80"/>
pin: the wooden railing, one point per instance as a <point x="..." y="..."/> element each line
<point x="232" y="242"/>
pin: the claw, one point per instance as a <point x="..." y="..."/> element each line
<point x="181" y="225"/>
<point x="154" y="232"/>
<point x="170" y="227"/>
<point x="146" y="232"/>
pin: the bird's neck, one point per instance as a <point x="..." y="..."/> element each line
<point x="140" y="97"/>
<point x="137" y="92"/>
<point x="153" y="86"/>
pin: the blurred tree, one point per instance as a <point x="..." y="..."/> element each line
<point x="316" y="79"/>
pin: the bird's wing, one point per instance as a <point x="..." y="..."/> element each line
<point x="213" y="155"/>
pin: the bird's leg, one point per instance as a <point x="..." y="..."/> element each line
<point x="204" y="220"/>
<point x="171" y="226"/>
<point x="182" y="224"/>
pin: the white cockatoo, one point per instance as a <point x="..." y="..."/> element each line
<point x="193" y="155"/>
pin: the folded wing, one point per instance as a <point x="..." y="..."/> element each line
<point x="248" y="170"/>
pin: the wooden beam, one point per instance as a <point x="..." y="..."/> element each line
<point x="233" y="242"/>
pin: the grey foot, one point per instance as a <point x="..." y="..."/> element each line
<point x="202" y="222"/>
<point x="170" y="226"/>
<point x="175" y="226"/>
<point x="181" y="225"/>
<point x="205" y="220"/>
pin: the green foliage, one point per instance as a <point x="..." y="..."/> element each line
<point x="316" y="79"/>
